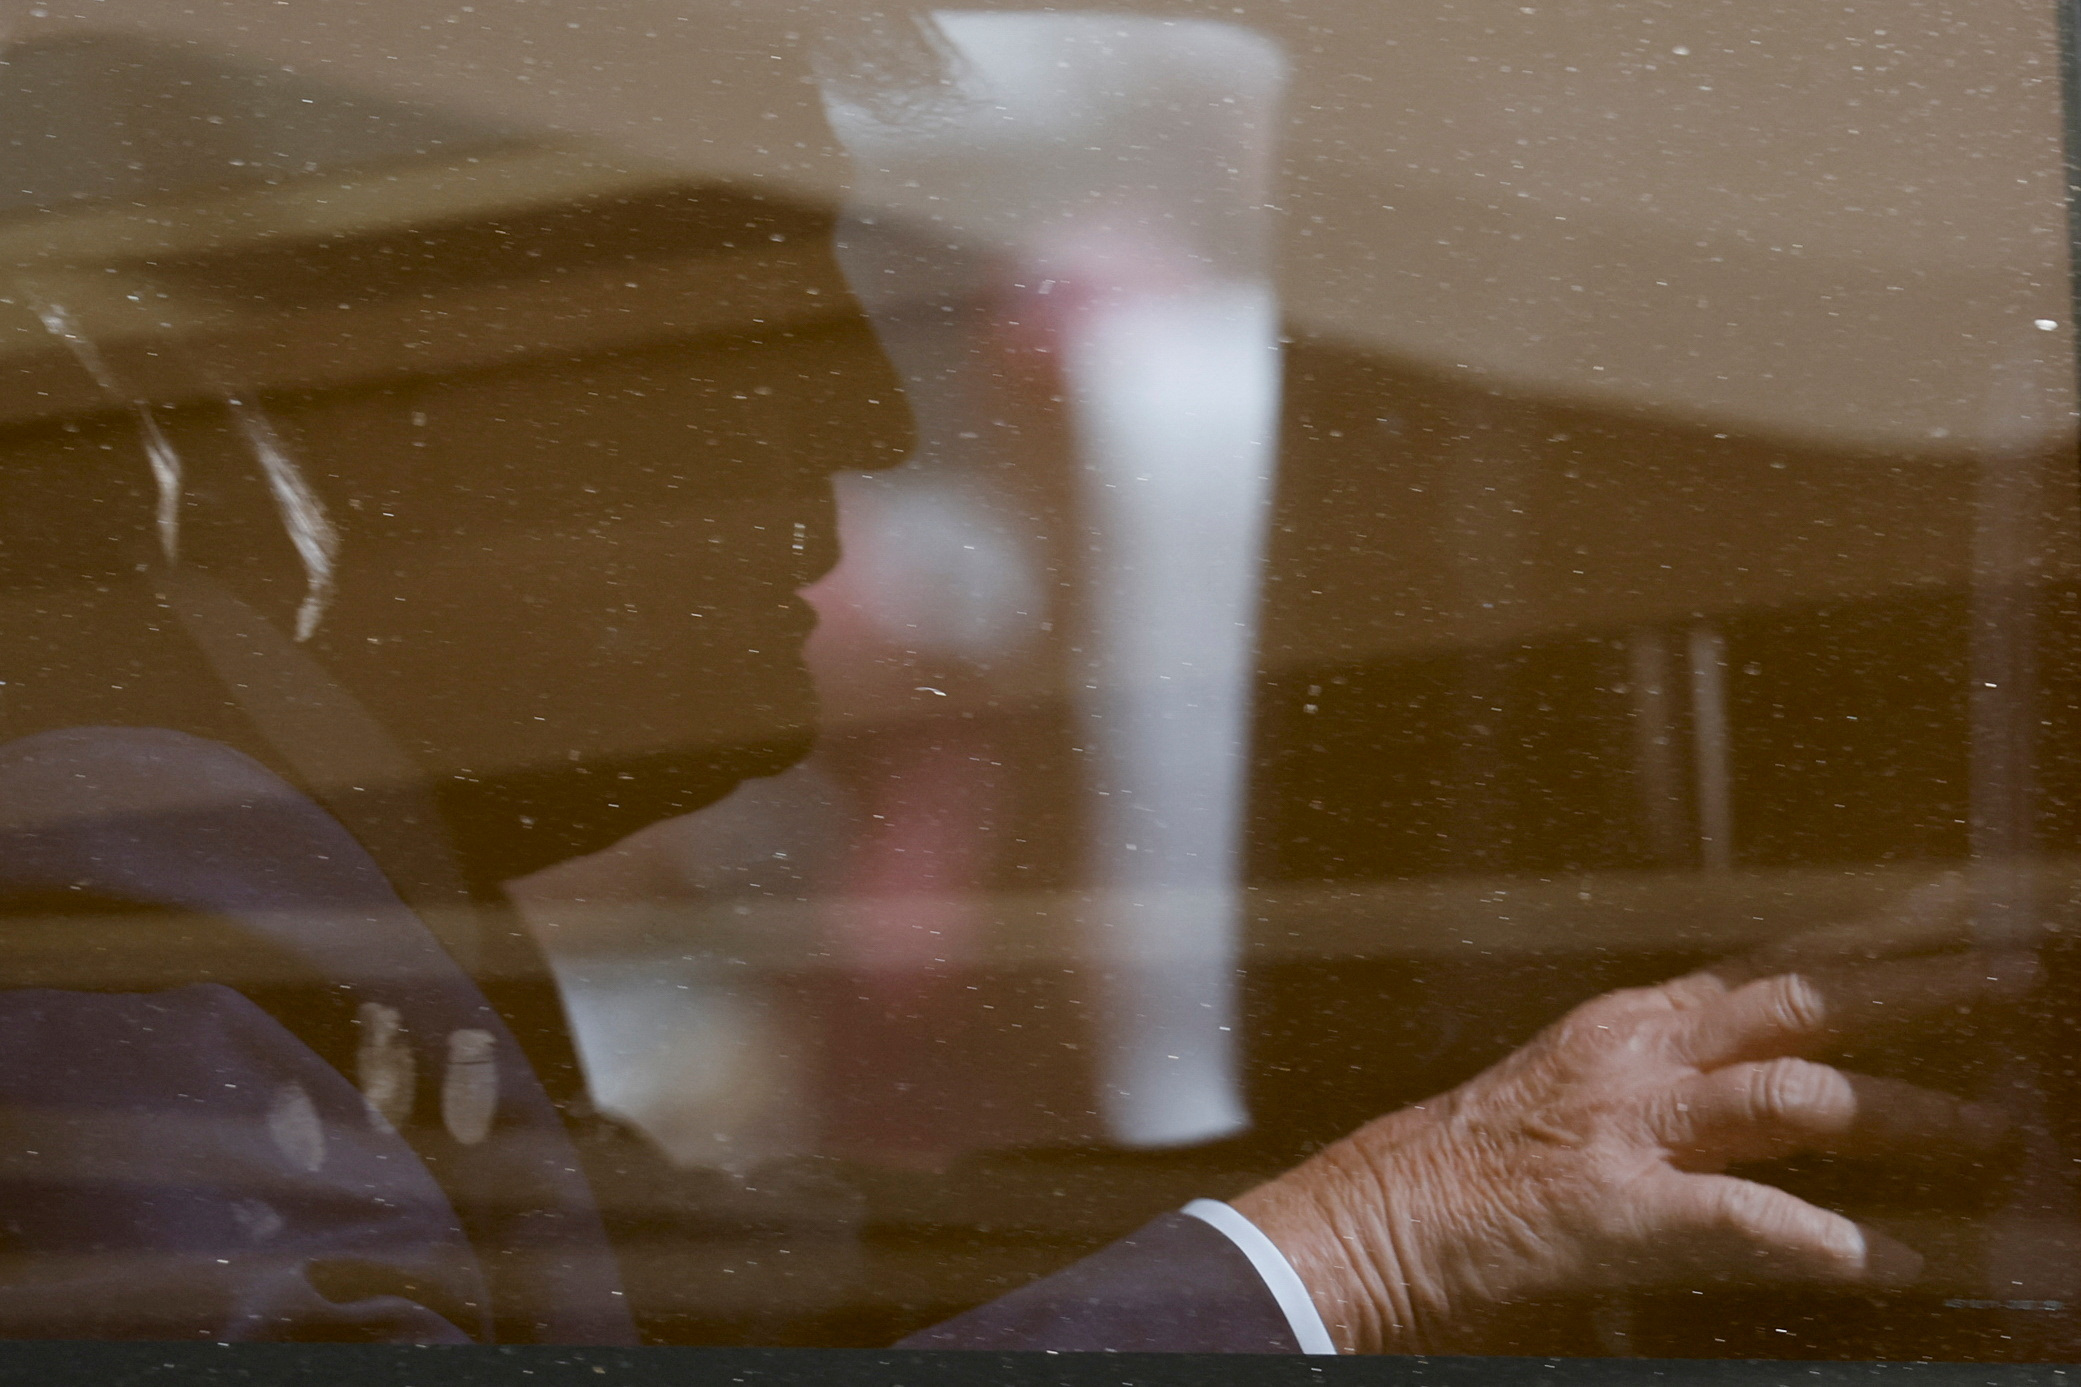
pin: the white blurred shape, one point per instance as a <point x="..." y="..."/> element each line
<point x="1113" y="170"/>
<point x="934" y="566"/>
<point x="165" y="463"/>
<point x="310" y="529"/>
<point x="1179" y="402"/>
<point x="703" y="1067"/>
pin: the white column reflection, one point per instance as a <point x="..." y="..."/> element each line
<point x="1708" y="652"/>
<point x="1662" y="808"/>
<point x="1178" y="401"/>
<point x="1109" y="174"/>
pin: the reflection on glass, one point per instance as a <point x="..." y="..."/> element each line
<point x="1121" y="250"/>
<point x="743" y="675"/>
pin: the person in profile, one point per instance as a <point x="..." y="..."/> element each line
<point x="324" y="623"/>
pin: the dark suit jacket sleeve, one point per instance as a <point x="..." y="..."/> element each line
<point x="1178" y="1285"/>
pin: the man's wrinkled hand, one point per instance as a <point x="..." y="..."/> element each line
<point x="1594" y="1158"/>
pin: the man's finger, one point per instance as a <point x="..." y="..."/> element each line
<point x="1795" y="1013"/>
<point x="1772" y="1108"/>
<point x="1739" y="1230"/>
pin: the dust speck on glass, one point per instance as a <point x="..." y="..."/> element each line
<point x="1294" y="677"/>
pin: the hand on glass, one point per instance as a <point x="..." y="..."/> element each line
<point x="1593" y="1158"/>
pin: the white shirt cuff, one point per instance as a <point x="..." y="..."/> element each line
<point x="1272" y="1267"/>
